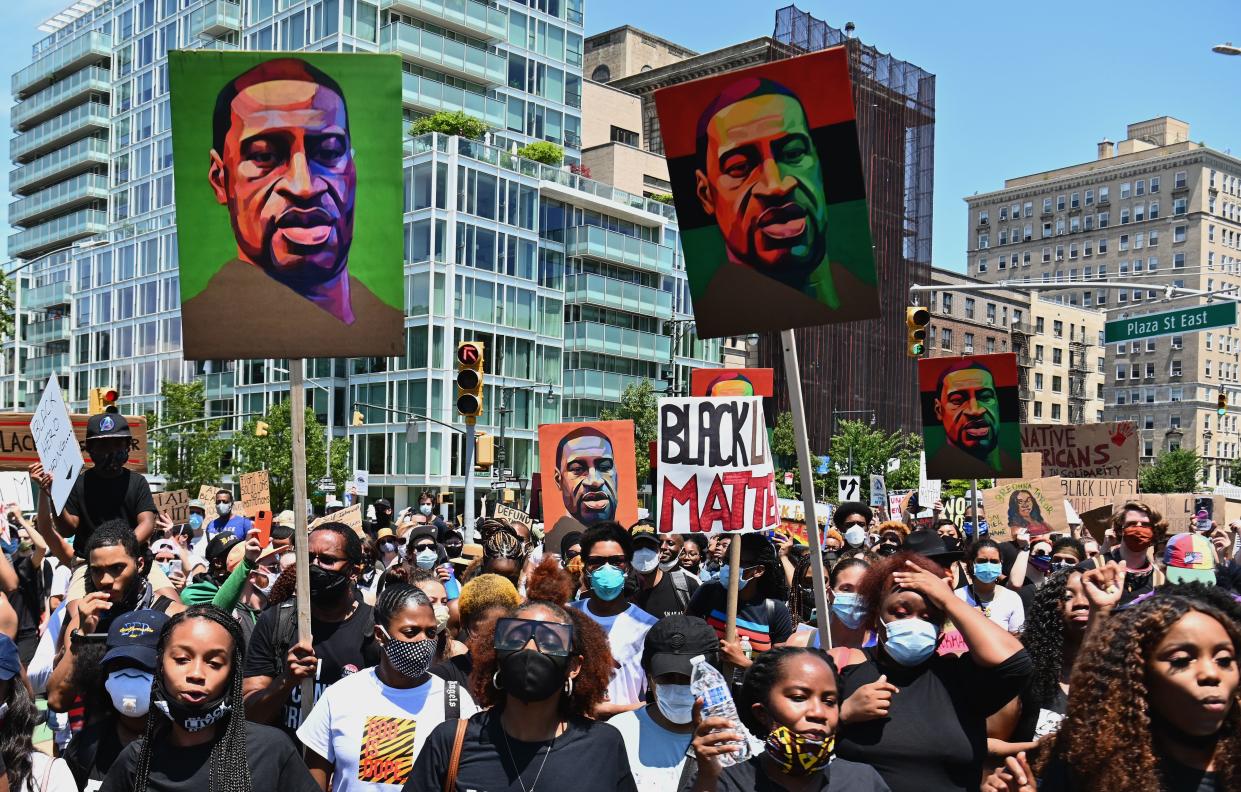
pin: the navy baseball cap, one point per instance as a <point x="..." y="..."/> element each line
<point x="107" y="425"/>
<point x="134" y="637"/>
<point x="10" y="663"/>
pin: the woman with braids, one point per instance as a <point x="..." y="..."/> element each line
<point x="846" y="610"/>
<point x="197" y="737"/>
<point x="1153" y="705"/>
<point x="22" y="767"/>
<point x="540" y="670"/>
<point x="345" y="749"/>
<point x="504" y="553"/>
<point x="791" y="699"/>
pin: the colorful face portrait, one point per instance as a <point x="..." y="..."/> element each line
<point x="289" y="166"/>
<point x="587" y="476"/>
<point x="770" y="198"/>
<point x="970" y="416"/>
<point x="731" y="382"/>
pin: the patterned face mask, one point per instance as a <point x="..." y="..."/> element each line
<point x="797" y="754"/>
<point x="411" y="658"/>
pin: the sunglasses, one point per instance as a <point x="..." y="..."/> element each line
<point x="550" y="638"/>
<point x="594" y="562"/>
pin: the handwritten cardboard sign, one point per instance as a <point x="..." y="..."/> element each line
<point x="512" y="515"/>
<point x="1087" y="494"/>
<point x="56" y="443"/>
<point x="1036" y="506"/>
<point x="350" y="516"/>
<point x="17" y="446"/>
<point x="206" y="493"/>
<point x="175" y="504"/>
<point x="1101" y="450"/>
<point x="255" y="493"/>
<point x="15" y="488"/>
<point x="1176" y="507"/>
<point x="715" y="472"/>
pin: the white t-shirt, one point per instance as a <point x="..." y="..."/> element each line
<point x="371" y="733"/>
<point x="626" y="634"/>
<point x="656" y="755"/>
<point x="49" y="775"/>
<point x="1005" y="608"/>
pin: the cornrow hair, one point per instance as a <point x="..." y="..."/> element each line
<point x="761" y="678"/>
<point x="230" y="766"/>
<point x="503" y="544"/>
<point x="396" y="598"/>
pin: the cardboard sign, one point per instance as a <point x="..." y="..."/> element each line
<point x="1085" y="494"/>
<point x="928" y="488"/>
<point x="731" y="382"/>
<point x="588" y="475"/>
<point x="361" y="483"/>
<point x="1102" y="450"/>
<point x="1035" y="506"/>
<point x="255" y="493"/>
<point x="878" y="491"/>
<point x="56" y="443"/>
<point x="350" y="516"/>
<point x="1177" y="508"/>
<point x="957" y="508"/>
<point x="511" y="514"/>
<point x="206" y="493"/>
<point x="970" y="416"/>
<point x="15" y="488"/>
<point x="17" y="447"/>
<point x="715" y="472"/>
<point x="175" y="504"/>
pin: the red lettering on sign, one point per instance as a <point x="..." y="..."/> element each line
<point x="674" y="495"/>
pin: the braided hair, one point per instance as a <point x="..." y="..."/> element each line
<point x="761" y="678"/>
<point x="230" y="766"/>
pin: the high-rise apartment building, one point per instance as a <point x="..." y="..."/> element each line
<point x="1153" y="210"/>
<point x="575" y="286"/>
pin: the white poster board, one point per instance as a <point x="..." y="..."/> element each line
<point x="928" y="489"/>
<point x="56" y="443"/>
<point x="15" y="488"/>
<point x="361" y="483"/>
<point x="878" y="491"/>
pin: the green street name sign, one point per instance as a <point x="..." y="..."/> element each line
<point x="1190" y="320"/>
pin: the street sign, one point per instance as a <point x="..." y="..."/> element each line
<point x="506" y="473"/>
<point x="326" y="484"/>
<point x="498" y="485"/>
<point x="850" y="488"/>
<point x="825" y="462"/>
<point x="788" y="478"/>
<point x="1188" y="320"/>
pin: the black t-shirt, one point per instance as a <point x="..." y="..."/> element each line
<point x="588" y="757"/>
<point x="92" y="752"/>
<point x="456" y="669"/>
<point x="935" y="736"/>
<point x="1174" y="777"/>
<point x="95" y="499"/>
<point x="274" y="765"/>
<point x="343" y="648"/>
<point x="710" y="602"/>
<point x="662" y="599"/>
<point x="840" y="776"/>
<point x="27" y="598"/>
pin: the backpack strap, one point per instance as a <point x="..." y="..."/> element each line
<point x="286" y="628"/>
<point x="454" y="761"/>
<point x="771" y="618"/>
<point x="681" y="584"/>
<point x="452" y="701"/>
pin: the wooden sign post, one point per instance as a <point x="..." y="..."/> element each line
<point x="301" y="537"/>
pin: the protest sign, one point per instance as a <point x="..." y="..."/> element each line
<point x="56" y="443"/>
<point x="878" y="491"/>
<point x="361" y="483"/>
<point x="350" y="516"/>
<point x="731" y="382"/>
<point x="928" y="488"/>
<point x="175" y="504"/>
<point x="793" y="519"/>
<point x="970" y="416"/>
<point x="715" y="473"/>
<point x="17" y="448"/>
<point x="1102" y="450"/>
<point x="512" y="515"/>
<point x="1178" y="508"/>
<point x="588" y="475"/>
<point x="1035" y="506"/>
<point x="896" y="500"/>
<point x="255" y="493"/>
<point x="302" y="276"/>
<point x="15" y="488"/>
<point x="1086" y="494"/>
<point x="206" y="493"/>
<point x="957" y="506"/>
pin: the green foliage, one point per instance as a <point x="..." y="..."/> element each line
<point x="187" y="455"/>
<point x="446" y="123"/>
<point x="1234" y="472"/>
<point x="1174" y="471"/>
<point x="6" y="307"/>
<point x="959" y="488"/>
<point x="663" y="198"/>
<point x="638" y="404"/>
<point x="542" y="151"/>
<point x="274" y="453"/>
<point x="871" y="448"/>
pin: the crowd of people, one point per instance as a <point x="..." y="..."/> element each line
<point x="141" y="654"/>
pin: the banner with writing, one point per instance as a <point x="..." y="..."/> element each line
<point x="255" y="493"/>
<point x="793" y="519"/>
<point x="206" y="494"/>
<point x="1035" y="507"/>
<point x="512" y="515"/>
<point x="55" y="442"/>
<point x="715" y="472"/>
<point x="175" y="504"/>
<point x="1086" y="494"/>
<point x="18" y="452"/>
<point x="1101" y="450"/>
<point x="350" y="516"/>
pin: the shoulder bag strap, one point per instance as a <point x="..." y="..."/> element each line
<point x="454" y="762"/>
<point x="771" y="618"/>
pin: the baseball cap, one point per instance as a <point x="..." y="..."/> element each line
<point x="423" y="532"/>
<point x="197" y="504"/>
<point x="1189" y="558"/>
<point x="106" y="425"/>
<point x="384" y="502"/>
<point x="164" y="546"/>
<point x="674" y="641"/>
<point x="285" y="518"/>
<point x="643" y="534"/>
<point x="134" y="637"/>
<point x="220" y="544"/>
<point x="10" y="663"/>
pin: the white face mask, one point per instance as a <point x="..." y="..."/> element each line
<point x="536" y="555"/>
<point x="855" y="536"/>
<point x="425" y="558"/>
<point x="645" y="560"/>
<point x="441" y="616"/>
<point x="130" y="690"/>
<point x="675" y="702"/>
<point x="265" y="589"/>
<point x="425" y="509"/>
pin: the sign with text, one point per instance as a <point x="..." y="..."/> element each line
<point x="1101" y="450"/>
<point x="1086" y="494"/>
<point x="512" y="515"/>
<point x="1187" y="320"/>
<point x="715" y="472"/>
<point x="1036" y="507"/>
<point x="1176" y="507"/>
<point x="793" y="519"/>
<point x="56" y="443"/>
<point x="17" y="448"/>
<point x="928" y="488"/>
<point x="175" y="504"/>
<point x="15" y="488"/>
<point x="878" y="491"/>
<point x="361" y="483"/>
<point x="206" y="494"/>
<point x="255" y="493"/>
<point x="350" y="516"/>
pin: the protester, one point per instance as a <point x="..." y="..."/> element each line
<point x="22" y="581"/>
<point x="715" y="557"/>
<point x="24" y="768"/>
<point x="917" y="716"/>
<point x="1139" y="527"/>
<point x="428" y="582"/>
<point x="382" y="509"/>
<point x="791" y="700"/>
<point x="342" y="630"/>
<point x="250" y="573"/>
<point x="1189" y="558"/>
<point x="426" y="508"/>
<point x="226" y="521"/>
<point x="366" y="729"/>
<point x="483" y="600"/>
<point x="663" y="592"/>
<point x="540" y="672"/>
<point x="198" y="737"/>
<point x="670" y="545"/>
<point x="503" y="554"/>
<point x="833" y="541"/>
<point x="892" y="535"/>
<point x="852" y="519"/>
<point x="847" y="611"/>
<point x="570" y="547"/>
<point x="1066" y="553"/>
<point x="692" y="554"/>
<point x="998" y="603"/>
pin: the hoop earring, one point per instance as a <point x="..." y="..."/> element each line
<point x="568" y="686"/>
<point x="495" y="680"/>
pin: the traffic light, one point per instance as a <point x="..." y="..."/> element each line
<point x="916" y="320"/>
<point x="102" y="400"/>
<point x="261" y="428"/>
<point x="358" y="418"/>
<point x="470" y="379"/>
<point x="484" y="451"/>
<point x="1221" y="403"/>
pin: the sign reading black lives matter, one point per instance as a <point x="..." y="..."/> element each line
<point x="715" y="471"/>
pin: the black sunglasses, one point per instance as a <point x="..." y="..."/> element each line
<point x="551" y="638"/>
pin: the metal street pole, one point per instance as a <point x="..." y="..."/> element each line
<point x="468" y="456"/>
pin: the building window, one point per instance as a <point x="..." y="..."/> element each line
<point x="1038" y="381"/>
<point x="1180" y="206"/>
<point x="947" y="304"/>
<point x="601" y="73"/>
<point x="1059" y="203"/>
<point x="1046" y="206"/>
<point x="1038" y="409"/>
<point x="1038" y="328"/>
<point x="1179" y="233"/>
<point x="1178" y="180"/>
<point x="1154" y="184"/>
<point x="1055" y="412"/>
<point x="969" y="343"/>
<point x="983" y="217"/>
<point x="969" y="307"/>
<point x="984" y="241"/>
<point x="625" y="136"/>
<point x="945" y="339"/>
<point x="1124" y="191"/>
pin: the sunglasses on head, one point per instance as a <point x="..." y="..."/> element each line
<point x="551" y="638"/>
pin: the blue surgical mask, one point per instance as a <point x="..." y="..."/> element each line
<point x="607" y="582"/>
<point x="165" y="567"/>
<point x="725" y="573"/>
<point x="196" y="521"/>
<point x="910" y="642"/>
<point x="987" y="572"/>
<point x="425" y="559"/>
<point x="425" y="509"/>
<point x="847" y="608"/>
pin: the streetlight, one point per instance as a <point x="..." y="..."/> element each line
<point x="1226" y="49"/>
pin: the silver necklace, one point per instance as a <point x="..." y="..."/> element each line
<point x="509" y="749"/>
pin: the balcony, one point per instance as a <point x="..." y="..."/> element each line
<point x="44" y="366"/>
<point x="56" y="233"/>
<point x="617" y="341"/>
<point x="1021" y="328"/>
<point x="464" y="16"/>
<point x="431" y="49"/>
<point x="83" y="155"/>
<point x="80" y="122"/>
<point x="59" y="198"/>
<point x="1025" y="394"/>
<point x="606" y="385"/>
<point x="48" y="330"/>
<point x="599" y="243"/>
<point x="585" y="288"/>
<point x="221" y="17"/>
<point x="1024" y="360"/>
<point x="58" y="96"/>
<point x="423" y="93"/>
<point x="92" y="47"/>
<point x="43" y="297"/>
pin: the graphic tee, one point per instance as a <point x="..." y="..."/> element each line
<point x="626" y="634"/>
<point x="710" y="602"/>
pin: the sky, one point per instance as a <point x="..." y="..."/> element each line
<point x="1020" y="89"/>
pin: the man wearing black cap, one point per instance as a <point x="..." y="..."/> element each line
<point x="662" y="593"/>
<point x="658" y="735"/>
<point x="383" y="517"/>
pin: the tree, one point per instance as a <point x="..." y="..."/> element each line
<point x="663" y="198"/>
<point x="870" y="449"/>
<point x="274" y="453"/>
<point x="193" y="454"/>
<point x="1234" y="472"/>
<point x="450" y="123"/>
<point x="638" y="404"/>
<point x="542" y="151"/>
<point x="1174" y="471"/>
<point x="6" y="307"/>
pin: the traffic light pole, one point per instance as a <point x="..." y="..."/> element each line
<point x="468" y="456"/>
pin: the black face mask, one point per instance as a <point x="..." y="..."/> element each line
<point x="531" y="675"/>
<point x="453" y="549"/>
<point x="109" y="463"/>
<point x="382" y="518"/>
<point x="886" y="549"/>
<point x="326" y="585"/>
<point x="192" y="719"/>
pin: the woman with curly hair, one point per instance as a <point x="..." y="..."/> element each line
<point x="540" y="670"/>
<point x="1153" y="704"/>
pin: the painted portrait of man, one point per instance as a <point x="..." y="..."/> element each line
<point x="970" y="429"/>
<point x="588" y="475"/>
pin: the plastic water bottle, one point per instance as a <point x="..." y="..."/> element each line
<point x="747" y="647"/>
<point x="709" y="685"/>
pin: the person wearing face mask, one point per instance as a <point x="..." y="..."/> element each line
<point x="1141" y="529"/>
<point x="791" y="700"/>
<point x="998" y="603"/>
<point x="658" y="734"/>
<point x="196" y="525"/>
<point x="116" y="714"/>
<point x="426" y="510"/>
<point x="398" y="701"/>
<point x="387" y="548"/>
<point x="239" y="581"/>
<point x="483" y="600"/>
<point x="852" y="520"/>
<point x="22" y="767"/>
<point x="426" y="581"/>
<point x="892" y="535"/>
<point x="664" y="591"/>
<point x="342" y="634"/>
<point x="383" y="517"/>
<point x="847" y="610"/>
<point x="225" y="520"/>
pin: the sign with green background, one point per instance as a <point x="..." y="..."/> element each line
<point x="1188" y="320"/>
